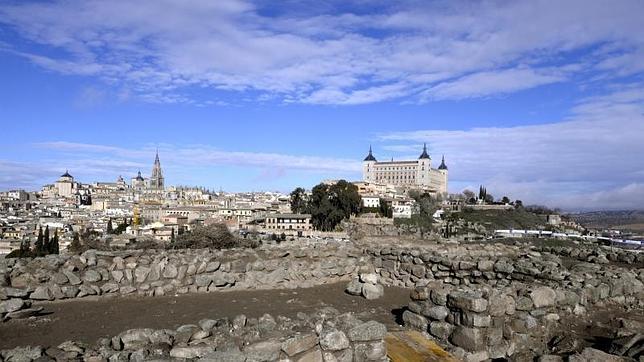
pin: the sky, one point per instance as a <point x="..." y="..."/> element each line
<point x="541" y="101"/>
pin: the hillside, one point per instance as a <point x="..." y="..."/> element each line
<point x="627" y="220"/>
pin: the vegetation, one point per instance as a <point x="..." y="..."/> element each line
<point x="214" y="236"/>
<point x="503" y="219"/>
<point x="328" y="204"/>
<point x="44" y="246"/>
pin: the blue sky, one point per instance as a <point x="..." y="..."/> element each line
<point x="536" y="100"/>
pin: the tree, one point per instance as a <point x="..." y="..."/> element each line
<point x="298" y="201"/>
<point x="75" y="246"/>
<point x="505" y="200"/>
<point x="172" y="236"/>
<point x="283" y="237"/>
<point x="54" y="245"/>
<point x="488" y="198"/>
<point x="38" y="247"/>
<point x="518" y="204"/>
<point x="426" y="207"/>
<point x="45" y="241"/>
<point x="329" y="205"/>
<point x="109" y="227"/>
<point x="385" y="209"/>
<point x="469" y="196"/>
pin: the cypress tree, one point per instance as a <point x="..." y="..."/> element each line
<point x="45" y="241"/>
<point x="109" y="227"/>
<point x="55" y="246"/>
<point x="39" y="242"/>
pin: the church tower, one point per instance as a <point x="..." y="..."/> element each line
<point x="156" y="179"/>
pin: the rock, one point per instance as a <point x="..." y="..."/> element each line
<point x="170" y="271"/>
<point x="134" y="339"/>
<point x="441" y="330"/>
<point x="485" y="265"/>
<point x="420" y="293"/>
<point x="225" y="356"/>
<point x="70" y="291"/>
<point x="467" y="301"/>
<point x="543" y="297"/>
<point x="314" y="355"/>
<point x="372" y="351"/>
<point x="141" y="273"/>
<point x="471" y="319"/>
<point x="266" y="323"/>
<point x="207" y="324"/>
<point x="263" y="351"/>
<point x="199" y="335"/>
<point x="239" y="322"/>
<point x="191" y="352"/>
<point x="117" y="275"/>
<point x="25" y="313"/>
<point x="13" y="305"/>
<point x="59" y="278"/>
<point x="333" y="340"/>
<point x="369" y="278"/>
<point x="16" y="293"/>
<point x="354" y="287"/>
<point x="415" y="321"/>
<point x="437" y="313"/>
<point x="22" y="354"/>
<point x="41" y="293"/>
<point x="92" y="276"/>
<point x="212" y="266"/>
<point x="591" y="354"/>
<point x="369" y="331"/>
<point x="73" y="278"/>
<point x="550" y="358"/>
<point x="299" y="344"/>
<point x="371" y="291"/>
<point x="471" y="339"/>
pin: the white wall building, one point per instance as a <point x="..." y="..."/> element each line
<point x="415" y="173"/>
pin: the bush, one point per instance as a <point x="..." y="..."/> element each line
<point x="215" y="236"/>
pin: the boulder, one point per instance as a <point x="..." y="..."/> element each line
<point x="299" y="344"/>
<point x="354" y="287"/>
<point x="372" y="291"/>
<point x="369" y="331"/>
<point x="41" y="293"/>
<point x="92" y="276"/>
<point x="467" y="301"/>
<point x="543" y="297"/>
<point x="471" y="339"/>
<point x="333" y="340"/>
<point x="191" y="352"/>
<point x="370" y="278"/>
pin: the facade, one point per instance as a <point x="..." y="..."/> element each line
<point x="293" y="222"/>
<point x="413" y="174"/>
<point x="370" y="201"/>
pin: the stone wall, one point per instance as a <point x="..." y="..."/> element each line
<point x="152" y="273"/>
<point x="322" y="336"/>
<point x="500" y="302"/>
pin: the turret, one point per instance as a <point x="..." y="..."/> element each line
<point x="367" y="167"/>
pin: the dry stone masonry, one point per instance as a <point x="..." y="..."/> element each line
<point x="325" y="335"/>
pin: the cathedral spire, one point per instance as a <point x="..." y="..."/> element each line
<point x="443" y="166"/>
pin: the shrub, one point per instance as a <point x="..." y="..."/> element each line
<point x="215" y="236"/>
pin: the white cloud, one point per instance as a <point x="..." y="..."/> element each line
<point x="155" y="50"/>
<point x="574" y="163"/>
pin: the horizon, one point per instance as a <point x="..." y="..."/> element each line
<point x="539" y="103"/>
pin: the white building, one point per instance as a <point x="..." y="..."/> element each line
<point x="65" y="186"/>
<point x="415" y="173"/>
<point x="370" y="201"/>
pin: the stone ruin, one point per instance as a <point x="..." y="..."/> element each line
<point x="479" y="301"/>
<point x="325" y="335"/>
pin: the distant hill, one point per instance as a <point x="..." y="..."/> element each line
<point x="627" y="220"/>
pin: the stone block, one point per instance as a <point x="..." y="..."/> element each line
<point x="299" y="344"/>
<point x="467" y="301"/>
<point x="471" y="339"/>
<point x="543" y="297"/>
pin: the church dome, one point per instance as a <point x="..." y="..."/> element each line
<point x="139" y="177"/>
<point x="66" y="174"/>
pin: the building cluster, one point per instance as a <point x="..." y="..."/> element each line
<point x="143" y="208"/>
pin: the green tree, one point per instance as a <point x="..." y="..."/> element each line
<point x="329" y="205"/>
<point x="385" y="209"/>
<point x="38" y="247"/>
<point x="75" y="246"/>
<point x="109" y="227"/>
<point x="54" y="245"/>
<point x="426" y="207"/>
<point x="505" y="200"/>
<point x="45" y="242"/>
<point x="298" y="201"/>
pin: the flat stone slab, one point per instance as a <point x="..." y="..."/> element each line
<point x="413" y="346"/>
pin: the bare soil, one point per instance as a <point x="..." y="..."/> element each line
<point x="87" y="320"/>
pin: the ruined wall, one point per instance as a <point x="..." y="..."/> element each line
<point x="154" y="273"/>
<point x="499" y="301"/>
<point x="324" y="335"/>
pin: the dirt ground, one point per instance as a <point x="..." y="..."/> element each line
<point x="88" y="320"/>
